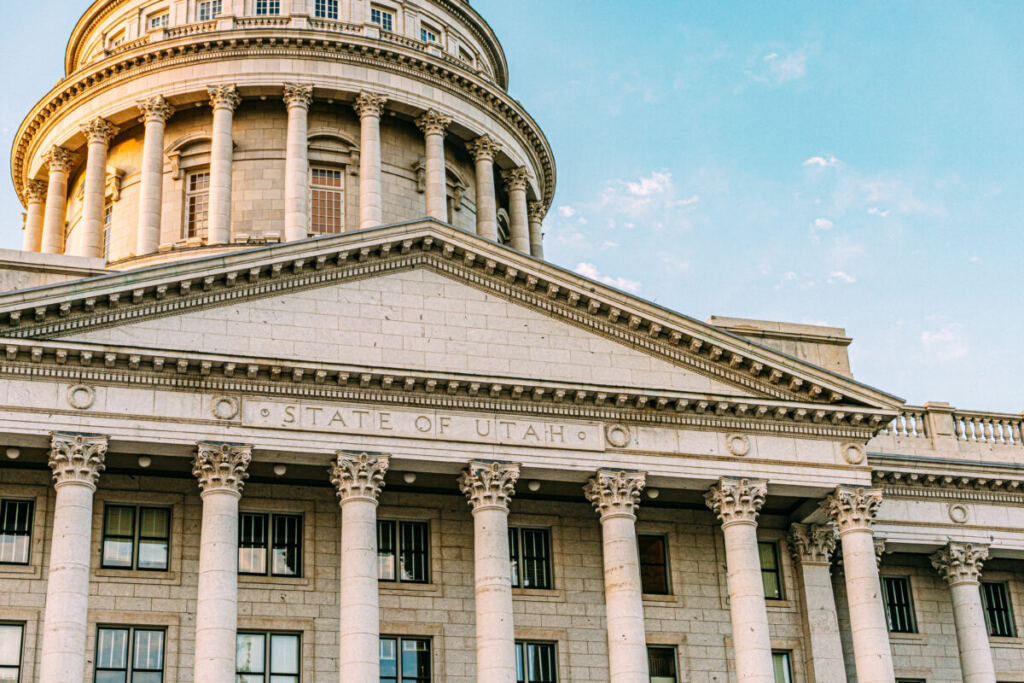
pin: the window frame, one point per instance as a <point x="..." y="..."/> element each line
<point x="31" y="504"/>
<point x="776" y="571"/>
<point x="522" y="659"/>
<point x="130" y="670"/>
<point x="911" y="616"/>
<point x="664" y="565"/>
<point x="330" y="9"/>
<point x="674" y="658"/>
<point x="268" y="673"/>
<point x="199" y="228"/>
<point x="21" y="625"/>
<point x="159" y="19"/>
<point x="137" y="538"/>
<point x="212" y="8"/>
<point x="518" y="559"/>
<point x="398" y="549"/>
<point x="789" y="673"/>
<point x="339" y="190"/>
<point x="429" y="34"/>
<point x="270" y="543"/>
<point x="108" y="224"/>
<point x="267" y="8"/>
<point x="387" y="24"/>
<point x="1008" y="619"/>
<point x="399" y="640"/>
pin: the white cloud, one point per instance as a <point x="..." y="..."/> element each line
<point x="658" y="182"/>
<point x="776" y="69"/>
<point x="841" y="276"/>
<point x="590" y="270"/>
<point x="946" y="343"/>
<point x="821" y="224"/>
<point x="688" y="201"/>
<point x="608" y="244"/>
<point x="881" y="213"/>
<point x="823" y="162"/>
<point x="786" y="277"/>
<point x="566" y="211"/>
<point x="650" y="200"/>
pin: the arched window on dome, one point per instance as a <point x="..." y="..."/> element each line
<point x="504" y="227"/>
<point x="190" y="165"/>
<point x="332" y="158"/>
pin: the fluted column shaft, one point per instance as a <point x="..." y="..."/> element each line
<point x="812" y="547"/>
<point x="616" y="495"/>
<point x="537" y="212"/>
<point x="76" y="461"/>
<point x="155" y="112"/>
<point x="434" y="124"/>
<point x="483" y="150"/>
<point x="59" y="160"/>
<point x="370" y="106"/>
<point x="221" y="471"/>
<point x="90" y="242"/>
<point x="296" y="174"/>
<point x="35" y="195"/>
<point x="516" y="180"/>
<point x="960" y="564"/>
<point x="489" y="487"/>
<point x="224" y="100"/>
<point x="359" y="478"/>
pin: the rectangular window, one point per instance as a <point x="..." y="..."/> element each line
<point x="136" y="537"/>
<point x="662" y="664"/>
<point x="328" y="202"/>
<point x="159" y="20"/>
<point x="11" y="637"/>
<point x="403" y="551"/>
<point x="269" y="544"/>
<point x="260" y="661"/>
<point x="782" y="662"/>
<point x="536" y="663"/>
<point x="404" y="660"/>
<point x="15" y="531"/>
<point x="428" y="34"/>
<point x="108" y="222"/>
<point x="771" y="572"/>
<point x="530" y="550"/>
<point x="210" y="9"/>
<point x="132" y="654"/>
<point x="653" y="564"/>
<point x="995" y="599"/>
<point x="327" y="9"/>
<point x="899" y="605"/>
<point x="197" y="204"/>
<point x="383" y="18"/>
<point x="264" y="7"/>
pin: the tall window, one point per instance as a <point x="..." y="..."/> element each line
<point x="899" y="605"/>
<point x="653" y="564"/>
<point x="995" y="599"/>
<point x="404" y="660"/>
<point x="328" y="201"/>
<point x="159" y="20"/>
<point x="268" y="7"/>
<point x="136" y="537"/>
<point x="782" y="662"/>
<point x="530" y="550"/>
<point x="126" y="653"/>
<point x="428" y="34"/>
<point x="536" y="663"/>
<point x="197" y="204"/>
<point x="383" y="18"/>
<point x="210" y="9"/>
<point x="108" y="222"/>
<point x="10" y="652"/>
<point x="403" y="551"/>
<point x="327" y="9"/>
<point x="15" y="531"/>
<point x="771" y="573"/>
<point x="257" y="661"/>
<point x="278" y="537"/>
<point x="662" y="664"/>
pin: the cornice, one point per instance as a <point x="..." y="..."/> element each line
<point x="937" y="485"/>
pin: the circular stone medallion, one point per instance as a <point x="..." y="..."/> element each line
<point x="617" y="435"/>
<point x="738" y="444"/>
<point x="225" y="408"/>
<point x="81" y="396"/>
<point x="853" y="453"/>
<point x="958" y="513"/>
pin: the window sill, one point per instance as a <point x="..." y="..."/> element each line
<point x="133" y="575"/>
<point x="1006" y="642"/>
<point x="253" y="581"/>
<point x="538" y="594"/>
<point x="658" y="597"/>
<point x="399" y="588"/>
<point x="21" y="570"/>
<point x="780" y="605"/>
<point x="913" y="638"/>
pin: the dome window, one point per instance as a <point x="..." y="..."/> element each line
<point x="268" y="7"/>
<point x="210" y="9"/>
<point x="327" y="9"/>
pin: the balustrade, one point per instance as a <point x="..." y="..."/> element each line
<point x="909" y="423"/>
<point x="993" y="428"/>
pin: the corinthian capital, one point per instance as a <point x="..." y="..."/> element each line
<point x="433" y="122"/>
<point x="516" y="178"/>
<point x="221" y="466"/>
<point x="359" y="476"/>
<point x="224" y="96"/>
<point x="489" y="484"/>
<point x="615" y="493"/>
<point x="536" y="212"/>
<point x="59" y="159"/>
<point x="852" y="508"/>
<point x="812" y="543"/>
<point x="155" y="109"/>
<point x="298" y="95"/>
<point x="77" y="458"/>
<point x="483" y="148"/>
<point x="960" y="562"/>
<point x="369" y="104"/>
<point x="35" y="191"/>
<point x="737" y="500"/>
<point x="99" y="131"/>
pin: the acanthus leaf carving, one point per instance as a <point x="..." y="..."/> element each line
<point x="359" y="476"/>
<point x="224" y="96"/>
<point x="960" y="562"/>
<point x="369" y="104"/>
<point x="852" y="507"/>
<point x="77" y="458"/>
<point x="155" y="108"/>
<point x="615" y="492"/>
<point x="489" y="484"/>
<point x="298" y="95"/>
<point x="484" y="148"/>
<point x="433" y="122"/>
<point x="221" y="466"/>
<point x="737" y="500"/>
<point x="812" y="543"/>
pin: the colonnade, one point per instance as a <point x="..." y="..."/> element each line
<point x="47" y="202"/>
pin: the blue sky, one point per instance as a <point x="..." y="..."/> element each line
<point x="852" y="164"/>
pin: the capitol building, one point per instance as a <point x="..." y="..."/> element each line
<point x="290" y="394"/>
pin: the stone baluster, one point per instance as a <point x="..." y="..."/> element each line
<point x="59" y="160"/>
<point x="77" y="461"/>
<point x="224" y="99"/>
<point x="297" y="99"/>
<point x="99" y="133"/>
<point x="221" y="471"/>
<point x="516" y="180"/>
<point x="359" y="478"/>
<point x="155" y="112"/>
<point x="483" y="150"/>
<point x="434" y="124"/>
<point x="537" y="211"/>
<point x="616" y="495"/>
<point x="960" y="565"/>
<point x="370" y="106"/>
<point x="35" y="197"/>
<point x="853" y="509"/>
<point x="812" y="546"/>
<point x="489" y="486"/>
<point x="737" y="503"/>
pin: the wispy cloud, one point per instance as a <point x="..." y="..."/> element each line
<point x="775" y="69"/>
<point x="821" y="225"/>
<point x="590" y="270"/>
<point x="947" y="343"/>
<point x="823" y="162"/>
<point x="566" y="211"/>
<point x="841" y="276"/>
<point x="651" y="197"/>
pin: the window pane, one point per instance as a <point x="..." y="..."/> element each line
<point x="414" y="551"/>
<point x="120" y="521"/>
<point x="520" y="673"/>
<point x="252" y="543"/>
<point x="386" y="551"/>
<point x="8" y="674"/>
<point x="15" y="531"/>
<point x="388" y="659"/>
<point x="535" y="560"/>
<point x="653" y="565"/>
<point x="287" y="556"/>
<point x="149" y="651"/>
<point x="147" y="677"/>
<point x="995" y="600"/>
<point x="662" y="664"/>
<point x="112" y="648"/>
<point x="250" y="655"/>
<point x="415" y="660"/>
<point x="10" y="645"/>
<point x="154" y="522"/>
<point x="783" y="672"/>
<point x="284" y="654"/>
<point x="513" y="551"/>
<point x="152" y="554"/>
<point x="111" y="677"/>
<point x="770" y="574"/>
<point x="898" y="604"/>
<point x="540" y="663"/>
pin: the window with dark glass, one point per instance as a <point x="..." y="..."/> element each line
<point x="661" y="661"/>
<point x="995" y="599"/>
<point x="210" y="9"/>
<point x="383" y="18"/>
<point x="782" y="662"/>
<point x="404" y="660"/>
<point x="15" y="531"/>
<point x="771" y="572"/>
<point x="11" y="640"/>
<point x="327" y="9"/>
<point x="428" y="34"/>
<point x="269" y="544"/>
<point x="159" y="20"/>
<point x="536" y="663"/>
<point x="403" y="551"/>
<point x="653" y="563"/>
<point x="899" y="604"/>
<point x="136" y="537"/>
<point x="264" y="657"/>
<point x="127" y="654"/>
<point x="264" y="7"/>
<point x="530" y="551"/>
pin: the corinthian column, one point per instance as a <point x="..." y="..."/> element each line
<point x="99" y="133"/>
<point x="155" y="112"/>
<point x="853" y="509"/>
<point x="537" y="212"/>
<point x="616" y="496"/>
<point x="35" y="196"/>
<point x="76" y="461"/>
<point x="516" y="180"/>
<point x="221" y="471"/>
<point x="483" y="150"/>
<point x="434" y="124"/>
<point x="737" y="503"/>
<point x="370" y="106"/>
<point x="359" y="479"/>
<point x="59" y="160"/>
<point x="812" y="546"/>
<point x="297" y="99"/>
<point x="489" y="486"/>
<point x="224" y="99"/>
<point x="960" y="565"/>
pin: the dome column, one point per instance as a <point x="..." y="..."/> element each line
<point x="59" y="160"/>
<point x="370" y="106"/>
<point x="35" y="194"/>
<point x="90" y="243"/>
<point x="155" y="112"/>
<point x="434" y="124"/>
<point x="224" y="99"/>
<point x="516" y="180"/>
<point x="960" y="565"/>
<point x="537" y="212"/>
<point x="483" y="150"/>
<point x="297" y="98"/>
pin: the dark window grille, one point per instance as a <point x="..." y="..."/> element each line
<point x="536" y="663"/>
<point x="899" y="605"/>
<point x="260" y="661"/>
<point x="269" y="544"/>
<point x="404" y="660"/>
<point x="653" y="564"/>
<point x="15" y="531"/>
<point x="771" y="571"/>
<point x="136" y="538"/>
<point x="126" y="653"/>
<point x="662" y="664"/>
<point x="403" y="551"/>
<point x="530" y="552"/>
<point x="995" y="599"/>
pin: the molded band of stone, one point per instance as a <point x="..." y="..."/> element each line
<point x="59" y="159"/>
<point x="516" y="178"/>
<point x="369" y="104"/>
<point x="537" y="211"/>
<point x="960" y="562"/>
<point x="484" y="147"/>
<point x="852" y="508"/>
<point x="224" y="96"/>
<point x="433" y="122"/>
<point x="221" y="466"/>
<point x="489" y="484"/>
<point x="359" y="475"/>
<point x="155" y="109"/>
<point x="615" y="493"/>
<point x="100" y="131"/>
<point x="737" y="501"/>
<point x="298" y="95"/>
<point x="77" y="458"/>
<point x="35" y="191"/>
<point x="812" y="543"/>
